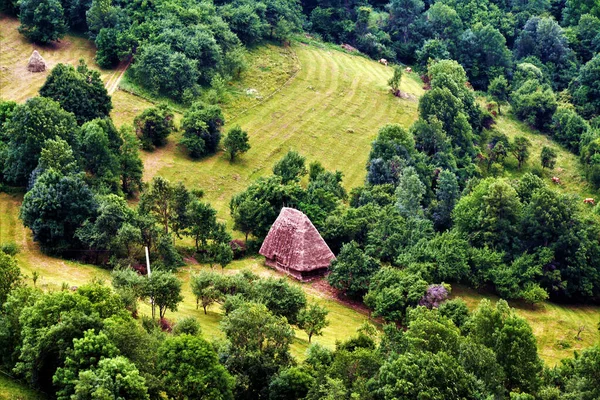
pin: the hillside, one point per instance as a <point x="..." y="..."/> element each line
<point x="326" y="104"/>
<point x="329" y="110"/>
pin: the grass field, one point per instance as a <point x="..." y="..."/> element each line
<point x="324" y="103"/>
<point x="550" y="323"/>
<point x="329" y="111"/>
<point x="568" y="168"/>
<point x="11" y="390"/>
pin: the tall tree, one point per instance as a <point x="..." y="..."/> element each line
<point x="55" y="207"/>
<point x="42" y="21"/>
<point x="31" y="125"/>
<point x="189" y="368"/>
<point x="78" y="90"/>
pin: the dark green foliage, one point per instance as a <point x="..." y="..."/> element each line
<point x="544" y="39"/>
<point x="568" y="128"/>
<point x="189" y="369"/>
<point x="131" y="165"/>
<point x="490" y="215"/>
<point x="164" y="71"/>
<point x="534" y="103"/>
<point x="99" y="145"/>
<point x="164" y="291"/>
<point x="291" y="167"/>
<point x="201" y="126"/>
<point x="351" y="271"/>
<point x="55" y="207"/>
<point x="548" y="157"/>
<point x="584" y="88"/>
<point x="290" y="384"/>
<point x="154" y="125"/>
<point x="392" y="292"/>
<point x="78" y="90"/>
<point x="428" y="375"/>
<point x="31" y="125"/>
<point x="520" y="149"/>
<point x="281" y="298"/>
<point x="257" y="348"/>
<point x="10" y="276"/>
<point x="483" y="54"/>
<point x="499" y="89"/>
<point x="42" y="21"/>
<point x="236" y="142"/>
<point x="255" y="209"/>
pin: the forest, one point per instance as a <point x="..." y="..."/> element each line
<point x="448" y="199"/>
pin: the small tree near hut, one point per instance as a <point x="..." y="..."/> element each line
<point x="236" y="142"/>
<point x="312" y="320"/>
<point x="394" y="81"/>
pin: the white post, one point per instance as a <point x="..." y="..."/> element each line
<point x="147" y="261"/>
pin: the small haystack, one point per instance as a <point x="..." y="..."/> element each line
<point x="294" y="246"/>
<point x="36" y="63"/>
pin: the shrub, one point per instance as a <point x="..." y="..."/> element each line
<point x="10" y="248"/>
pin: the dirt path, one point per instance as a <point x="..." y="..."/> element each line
<point x="112" y="84"/>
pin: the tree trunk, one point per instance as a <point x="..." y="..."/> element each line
<point x="203" y="306"/>
<point x="309" y="337"/>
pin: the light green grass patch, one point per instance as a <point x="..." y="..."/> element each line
<point x="330" y="112"/>
<point x="550" y="322"/>
<point x="12" y="390"/>
<point x="16" y="82"/>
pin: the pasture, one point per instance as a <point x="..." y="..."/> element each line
<point x="324" y="103"/>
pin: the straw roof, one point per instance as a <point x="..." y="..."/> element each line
<point x="294" y="242"/>
<point x="36" y="62"/>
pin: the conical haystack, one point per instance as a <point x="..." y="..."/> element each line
<point x="36" y="62"/>
<point x="294" y="246"/>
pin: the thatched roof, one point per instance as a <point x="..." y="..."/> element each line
<point x="36" y="62"/>
<point x="294" y="242"/>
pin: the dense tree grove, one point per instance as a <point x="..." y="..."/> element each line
<point x="436" y="207"/>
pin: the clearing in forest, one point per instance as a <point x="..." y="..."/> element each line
<point x="329" y="110"/>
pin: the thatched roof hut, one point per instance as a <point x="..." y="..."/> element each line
<point x="294" y="246"/>
<point x="36" y="62"/>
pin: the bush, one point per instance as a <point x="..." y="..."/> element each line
<point x="187" y="326"/>
<point x="10" y="248"/>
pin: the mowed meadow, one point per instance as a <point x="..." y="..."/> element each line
<point x="322" y="102"/>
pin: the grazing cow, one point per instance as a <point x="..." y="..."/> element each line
<point x="589" y="200"/>
<point x="408" y="70"/>
<point x="383" y="61"/>
<point x="556" y="180"/>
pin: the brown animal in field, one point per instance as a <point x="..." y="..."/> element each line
<point x="408" y="70"/>
<point x="589" y="200"/>
<point x="383" y="61"/>
<point x="556" y="180"/>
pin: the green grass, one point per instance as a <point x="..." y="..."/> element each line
<point x="16" y="82"/>
<point x="12" y="390"/>
<point x="330" y="110"/>
<point x="568" y="167"/>
<point x="550" y="323"/>
<point x="313" y="98"/>
<point x="54" y="272"/>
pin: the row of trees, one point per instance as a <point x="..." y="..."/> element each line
<point x="201" y="127"/>
<point x="86" y="344"/>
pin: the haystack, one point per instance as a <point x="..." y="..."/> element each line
<point x="36" y="62"/>
<point x="294" y="246"/>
